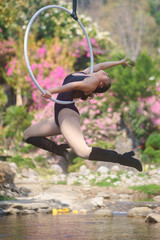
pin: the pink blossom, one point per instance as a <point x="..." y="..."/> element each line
<point x="98" y="111"/>
<point x="9" y="71"/>
<point x="109" y="109"/>
<point x="156" y="121"/>
<point x="89" y="141"/>
<point x="113" y="127"/>
<point x="41" y="51"/>
<point x="86" y="121"/>
<point x="156" y="108"/>
<point x="33" y="66"/>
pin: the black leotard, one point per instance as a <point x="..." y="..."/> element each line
<point x="67" y="96"/>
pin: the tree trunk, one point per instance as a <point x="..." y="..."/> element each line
<point x="19" y="101"/>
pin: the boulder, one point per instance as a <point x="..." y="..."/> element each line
<point x="123" y="143"/>
<point x="104" y="195"/>
<point x="153" y="218"/>
<point x="139" y="212"/>
<point x="103" y="213"/>
<point x="57" y="168"/>
<point x="28" y="173"/>
<point x="6" y="175"/>
<point x="13" y="167"/>
<point x="102" y="170"/>
<point x="115" y="169"/>
<point x="83" y="170"/>
<point x="97" y="201"/>
<point x="157" y="198"/>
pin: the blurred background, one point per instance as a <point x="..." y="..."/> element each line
<point x="125" y="118"/>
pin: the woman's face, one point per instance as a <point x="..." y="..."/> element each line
<point x="103" y="78"/>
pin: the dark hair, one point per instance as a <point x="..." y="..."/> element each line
<point x="97" y="90"/>
<point x="103" y="89"/>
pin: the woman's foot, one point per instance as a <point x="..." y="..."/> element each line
<point x="127" y="160"/>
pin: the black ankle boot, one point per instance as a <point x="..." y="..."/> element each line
<point x="99" y="154"/>
<point x="50" y="146"/>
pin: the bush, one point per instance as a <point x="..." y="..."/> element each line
<point x="153" y="141"/>
<point x="138" y="122"/>
<point x="152" y="150"/>
<point x="16" y="119"/>
<point x="132" y="83"/>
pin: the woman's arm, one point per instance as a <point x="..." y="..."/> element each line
<point x="105" y="65"/>
<point x="64" y="88"/>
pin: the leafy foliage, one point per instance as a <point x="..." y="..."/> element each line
<point x="152" y="150"/>
<point x="16" y="119"/>
<point x="76" y="163"/>
<point x="22" y="162"/>
<point x="151" y="189"/>
<point x="132" y="83"/>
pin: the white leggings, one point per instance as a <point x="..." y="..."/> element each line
<point x="69" y="122"/>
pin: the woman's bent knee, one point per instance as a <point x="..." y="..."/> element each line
<point x="26" y="134"/>
<point x="83" y="153"/>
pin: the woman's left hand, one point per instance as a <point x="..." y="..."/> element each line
<point x="125" y="63"/>
<point x="46" y="94"/>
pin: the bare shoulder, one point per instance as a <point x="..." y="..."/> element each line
<point x="80" y="74"/>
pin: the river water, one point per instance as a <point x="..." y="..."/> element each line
<point x="76" y="227"/>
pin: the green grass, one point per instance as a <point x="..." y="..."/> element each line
<point x="151" y="189"/>
<point x="26" y="149"/>
<point x="4" y="198"/>
<point x="45" y="172"/>
<point x="77" y="163"/>
<point x="41" y="161"/>
<point x="104" y="183"/>
<point x="22" y="162"/>
<point x="62" y="183"/>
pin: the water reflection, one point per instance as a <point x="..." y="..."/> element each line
<point x="76" y="227"/>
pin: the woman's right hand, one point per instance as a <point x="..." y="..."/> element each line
<point x="46" y="94"/>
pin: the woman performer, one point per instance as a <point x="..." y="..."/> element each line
<point x="66" y="120"/>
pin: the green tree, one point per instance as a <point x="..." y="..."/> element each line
<point x="131" y="25"/>
<point x="16" y="119"/>
<point x="155" y="10"/>
<point x="152" y="150"/>
<point x="131" y="83"/>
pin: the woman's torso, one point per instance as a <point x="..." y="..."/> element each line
<point x="68" y="96"/>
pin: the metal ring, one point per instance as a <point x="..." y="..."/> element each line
<point x="26" y="49"/>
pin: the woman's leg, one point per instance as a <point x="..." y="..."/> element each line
<point x="70" y="127"/>
<point x="37" y="133"/>
<point x="69" y="122"/>
<point x="44" y="128"/>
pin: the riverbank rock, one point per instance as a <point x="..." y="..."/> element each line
<point x="28" y="173"/>
<point x="157" y="198"/>
<point x="153" y="218"/>
<point x="106" y="212"/>
<point x="6" y="175"/>
<point x="21" y="207"/>
<point x="97" y="201"/>
<point x="139" y="212"/>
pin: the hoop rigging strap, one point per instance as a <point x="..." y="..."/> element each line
<point x="74" y="15"/>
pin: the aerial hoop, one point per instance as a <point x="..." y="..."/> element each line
<point x="74" y="16"/>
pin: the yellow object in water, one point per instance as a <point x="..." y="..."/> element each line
<point x="60" y="211"/>
<point x="65" y="210"/>
<point x="75" y="211"/>
<point x="54" y="211"/>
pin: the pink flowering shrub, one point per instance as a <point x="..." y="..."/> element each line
<point x="96" y="124"/>
<point x="6" y="53"/>
<point x="152" y="104"/>
<point x="82" y="49"/>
